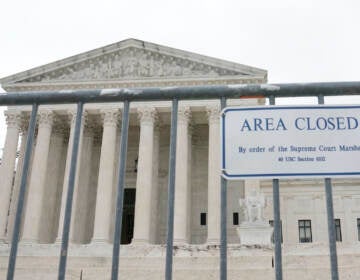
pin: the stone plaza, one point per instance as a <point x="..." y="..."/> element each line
<point x="134" y="64"/>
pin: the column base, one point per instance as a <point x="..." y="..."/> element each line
<point x="57" y="241"/>
<point x="140" y="242"/>
<point x="100" y="241"/>
<point x="4" y="241"/>
<point x="29" y="241"/>
<point x="181" y="242"/>
<point x="213" y="242"/>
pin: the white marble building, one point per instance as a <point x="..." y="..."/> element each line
<point x="134" y="63"/>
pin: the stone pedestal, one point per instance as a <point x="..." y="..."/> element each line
<point x="255" y="230"/>
<point x="258" y="233"/>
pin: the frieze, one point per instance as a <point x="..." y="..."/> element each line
<point x="76" y="85"/>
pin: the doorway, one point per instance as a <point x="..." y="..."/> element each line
<point x="127" y="229"/>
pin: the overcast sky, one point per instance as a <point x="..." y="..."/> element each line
<point x="296" y="41"/>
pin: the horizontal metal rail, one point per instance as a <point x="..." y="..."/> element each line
<point x="169" y="93"/>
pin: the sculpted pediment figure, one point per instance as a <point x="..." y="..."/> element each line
<point x="133" y="60"/>
<point x="134" y="63"/>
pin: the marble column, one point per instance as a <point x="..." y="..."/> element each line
<point x="144" y="183"/>
<point x="72" y="118"/>
<point x="319" y="231"/>
<point x="54" y="179"/>
<point x="155" y="219"/>
<point x="214" y="175"/>
<point x="348" y="224"/>
<point x="7" y="167"/>
<point x="18" y="174"/>
<point x="182" y="179"/>
<point x="79" y="225"/>
<point x="290" y="224"/>
<point x="34" y="205"/>
<point x="104" y="198"/>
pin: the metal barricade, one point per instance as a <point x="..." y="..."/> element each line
<point x="174" y="94"/>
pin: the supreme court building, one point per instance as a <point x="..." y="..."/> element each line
<point x="132" y="64"/>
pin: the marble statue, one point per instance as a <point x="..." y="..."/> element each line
<point x="253" y="207"/>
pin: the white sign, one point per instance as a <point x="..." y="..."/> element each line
<point x="290" y="141"/>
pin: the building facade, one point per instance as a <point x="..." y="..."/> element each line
<point x="134" y="63"/>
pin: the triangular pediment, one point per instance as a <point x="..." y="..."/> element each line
<point x="132" y="60"/>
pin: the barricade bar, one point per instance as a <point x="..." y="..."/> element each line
<point x="70" y="193"/>
<point x="120" y="191"/>
<point x="277" y="228"/>
<point x="180" y="92"/>
<point x="331" y="229"/>
<point x="171" y="190"/>
<point x="330" y="220"/>
<point x="22" y="191"/>
<point x="223" y="218"/>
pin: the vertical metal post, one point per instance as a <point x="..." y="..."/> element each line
<point x="20" y="205"/>
<point x="277" y="226"/>
<point x="171" y="189"/>
<point x="331" y="229"/>
<point x="277" y="230"/>
<point x="321" y="99"/>
<point x="330" y="221"/>
<point x="223" y="230"/>
<point x="120" y="190"/>
<point x="70" y="193"/>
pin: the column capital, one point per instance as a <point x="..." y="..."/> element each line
<point x="110" y="117"/>
<point x="72" y="116"/>
<point x="13" y="118"/>
<point x="24" y="123"/>
<point x="184" y="114"/>
<point x="213" y="113"/>
<point x="46" y="118"/>
<point x="147" y="115"/>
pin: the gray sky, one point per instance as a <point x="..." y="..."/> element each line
<point x="296" y="41"/>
